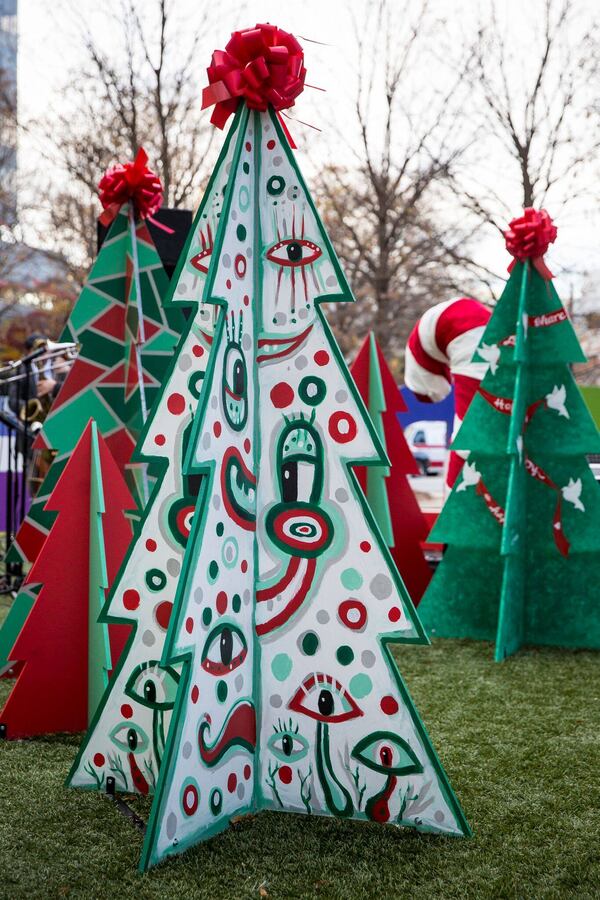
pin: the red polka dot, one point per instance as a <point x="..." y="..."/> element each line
<point x="162" y="614"/>
<point x="221" y="602"/>
<point x="389" y="705"/>
<point x="270" y="145"/>
<point x="99" y="759"/>
<point x="197" y="350"/>
<point x="232" y="783"/>
<point x="244" y="566"/>
<point x="282" y="395"/>
<point x="247" y="772"/>
<point x="131" y="599"/>
<point x="247" y="445"/>
<point x="195" y="693"/>
<point x="190" y="800"/>
<point x="240" y="265"/>
<point x="246" y="300"/>
<point x="151" y="545"/>
<point x="365" y="546"/>
<point x="159" y="440"/>
<point x="394" y="614"/>
<point x="342" y="427"/>
<point x="228" y="284"/>
<point x="248" y="146"/>
<point x="189" y="624"/>
<point x="176" y="404"/>
<point x="285" y="774"/>
<point x="321" y="357"/>
<point x="353" y="614"/>
<point x="217" y="429"/>
<point x="126" y="711"/>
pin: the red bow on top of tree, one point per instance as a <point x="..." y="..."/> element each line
<point x="130" y="181"/>
<point x="529" y="236"/>
<point x="262" y="65"/>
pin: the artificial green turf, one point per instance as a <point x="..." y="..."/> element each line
<point x="520" y="742"/>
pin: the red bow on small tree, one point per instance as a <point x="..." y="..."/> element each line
<point x="529" y="236"/>
<point x="262" y="65"/>
<point x="130" y="181"/>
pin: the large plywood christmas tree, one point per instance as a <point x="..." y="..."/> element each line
<point x="523" y="520"/>
<point x="287" y="695"/>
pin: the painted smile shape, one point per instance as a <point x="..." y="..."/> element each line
<point x="271" y="348"/>
<point x="238" y="488"/>
<point x="239" y="730"/>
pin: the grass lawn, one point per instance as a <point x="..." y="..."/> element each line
<point x="520" y="742"/>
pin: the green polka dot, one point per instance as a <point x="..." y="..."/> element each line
<point x="281" y="666"/>
<point x="206" y="616"/>
<point x="195" y="384"/>
<point x="310" y="643"/>
<point x="222" y="691"/>
<point x="236" y="603"/>
<point x="351" y="579"/>
<point x="246" y="167"/>
<point x="275" y="185"/>
<point x="345" y="655"/>
<point x="360" y="685"/>
<point x="216" y="801"/>
<point x="155" y="579"/>
<point x="312" y="390"/>
<point x="220" y="529"/>
<point x="241" y="232"/>
<point x="213" y="571"/>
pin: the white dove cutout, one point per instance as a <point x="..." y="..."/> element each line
<point x="556" y="400"/>
<point x="470" y="477"/>
<point x="572" y="492"/>
<point x="491" y="354"/>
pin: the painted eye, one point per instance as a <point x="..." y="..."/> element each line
<point x="153" y="686"/>
<point x="130" y="737"/>
<point x="387" y="753"/>
<point x="322" y="697"/>
<point x="287" y="746"/>
<point x="224" y="650"/>
<point x="201" y="260"/>
<point x="293" y="252"/>
<point x="300" y="465"/>
<point x="235" y="379"/>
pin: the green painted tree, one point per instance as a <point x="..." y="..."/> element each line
<point x="523" y="520"/>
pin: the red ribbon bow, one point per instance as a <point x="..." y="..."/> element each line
<point x="529" y="236"/>
<point x="130" y="181"/>
<point x="262" y="65"/>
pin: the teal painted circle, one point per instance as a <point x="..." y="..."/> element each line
<point x="281" y="666"/>
<point x="155" y="579"/>
<point x="244" y="198"/>
<point x="236" y="603"/>
<point x="241" y="232"/>
<point x="312" y="390"/>
<point x="213" y="571"/>
<point x="222" y="691"/>
<point x="230" y="553"/>
<point x="275" y="185"/>
<point x="309" y="643"/>
<point x="216" y="801"/>
<point x="360" y="686"/>
<point x="345" y="655"/>
<point x="195" y="384"/>
<point x="351" y="579"/>
<point x="206" y="616"/>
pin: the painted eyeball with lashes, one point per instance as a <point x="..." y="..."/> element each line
<point x="322" y="697"/>
<point x="293" y="252"/>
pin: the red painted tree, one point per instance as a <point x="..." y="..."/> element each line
<point x="66" y="654"/>
<point x="387" y="489"/>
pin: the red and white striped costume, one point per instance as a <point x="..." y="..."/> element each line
<point x="439" y="353"/>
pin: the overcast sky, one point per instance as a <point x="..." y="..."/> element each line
<point x="49" y="47"/>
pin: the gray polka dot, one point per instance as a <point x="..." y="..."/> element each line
<point x="184" y="362"/>
<point x="246" y="342"/>
<point x="148" y="638"/>
<point x="301" y="362"/>
<point x="439" y="815"/>
<point x="238" y="683"/>
<point x="216" y="502"/>
<point x="233" y="214"/>
<point x="226" y="261"/>
<point x="186" y="750"/>
<point x="381" y="586"/>
<point x="331" y="281"/>
<point x="241" y="790"/>
<point x="249" y="252"/>
<point x="228" y="168"/>
<point x="322" y="617"/>
<point x="367" y="658"/>
<point x="279" y="318"/>
<point x="214" y="402"/>
<point x="171" y="825"/>
<point x="198" y="595"/>
<point x="292" y="192"/>
<point x="302" y="313"/>
<point x="341" y="396"/>
<point x="173" y="567"/>
<point x="229" y="552"/>
<point x="246" y="597"/>
<point x="266" y="127"/>
<point x="341" y="495"/>
<point x="277" y="160"/>
<point x="275" y="701"/>
<point x="205" y="440"/>
<point x="181" y="287"/>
